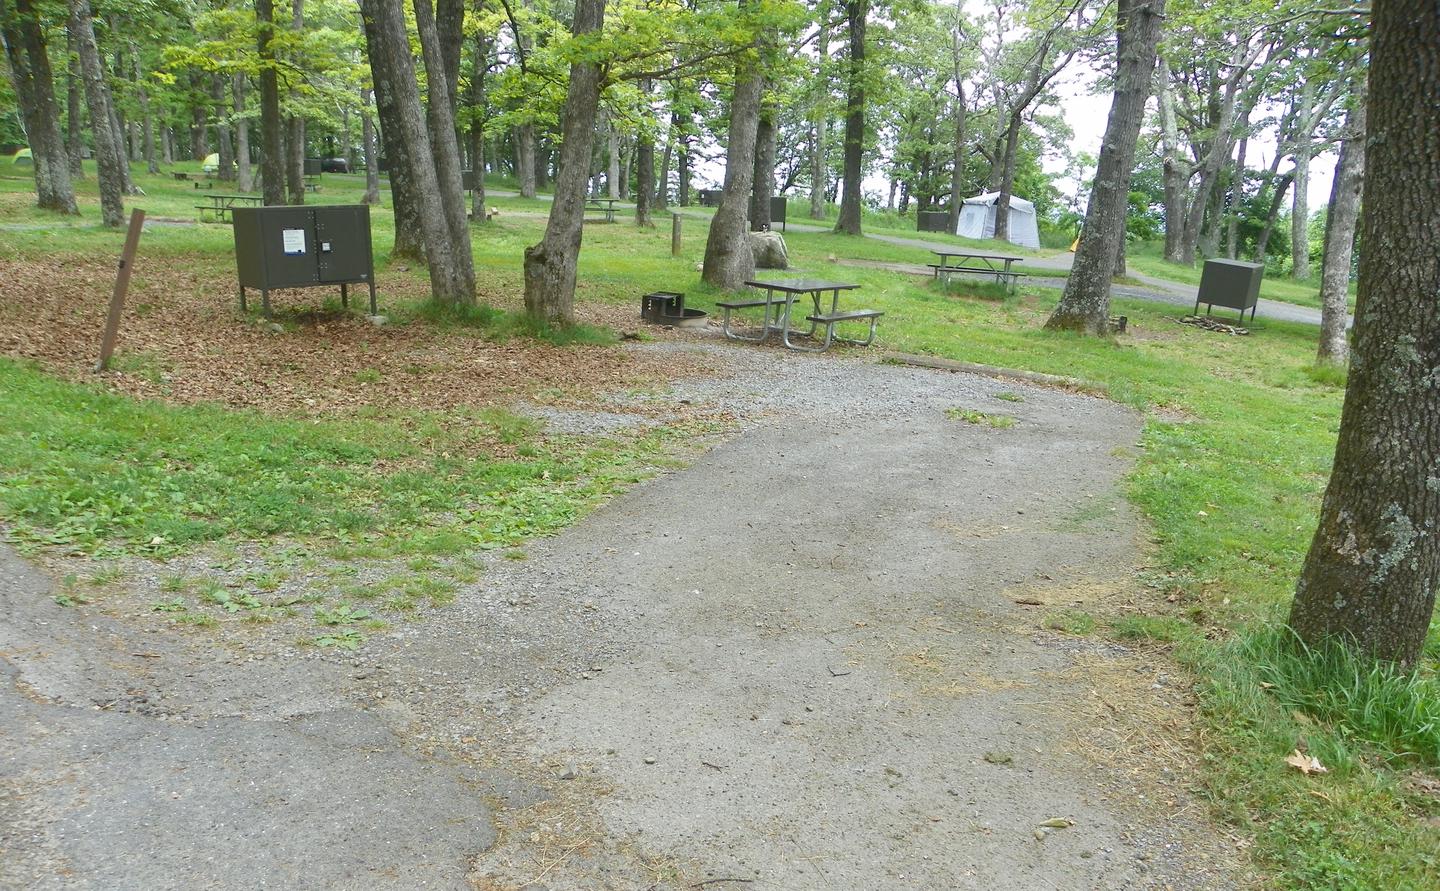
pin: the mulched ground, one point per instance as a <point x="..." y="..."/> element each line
<point x="183" y="340"/>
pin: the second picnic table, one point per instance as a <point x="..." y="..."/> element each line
<point x="220" y="206"/>
<point x="603" y="205"/>
<point x="997" y="266"/>
<point x="778" y="309"/>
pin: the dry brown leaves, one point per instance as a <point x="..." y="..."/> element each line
<point x="182" y="339"/>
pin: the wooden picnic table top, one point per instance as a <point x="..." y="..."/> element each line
<point x="611" y="201"/>
<point x="217" y="198"/>
<point x="974" y="255"/>
<point x="801" y="285"/>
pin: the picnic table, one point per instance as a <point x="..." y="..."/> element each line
<point x="603" y="205"/>
<point x="779" y="303"/>
<point x="997" y="266"/>
<point x="218" y="210"/>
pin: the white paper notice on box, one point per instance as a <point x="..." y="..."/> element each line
<point x="293" y="240"/>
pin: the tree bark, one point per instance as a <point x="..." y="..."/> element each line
<point x="729" y="260"/>
<point x="1369" y="578"/>
<point x="444" y="145"/>
<point x="856" y="11"/>
<point x="550" y="265"/>
<point x="1340" y="223"/>
<point x="74" y="140"/>
<point x="763" y="185"/>
<point x="372" y="154"/>
<point x="222" y="128"/>
<point x="480" y="65"/>
<point x="612" y="160"/>
<point x="393" y="73"/>
<point x="109" y="157"/>
<point x="957" y="157"/>
<point x="1277" y="199"/>
<point x="29" y="59"/>
<point x="272" y="153"/>
<point x="152" y="166"/>
<point x="1300" y="218"/>
<point x="245" y="176"/>
<point x="1085" y="304"/>
<point x="525" y="159"/>
<point x="644" y="165"/>
<point x="404" y="195"/>
<point x="820" y="117"/>
<point x="295" y="127"/>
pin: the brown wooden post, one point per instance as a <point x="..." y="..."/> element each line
<point x="674" y="235"/>
<point x="122" y="284"/>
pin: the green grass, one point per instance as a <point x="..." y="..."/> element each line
<point x="971" y="416"/>
<point x="1233" y="458"/>
<point x="1149" y="260"/>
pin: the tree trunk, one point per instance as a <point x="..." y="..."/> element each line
<point x="372" y="154"/>
<point x="245" y="176"/>
<point x="405" y="196"/>
<point x="1176" y="173"/>
<point x="1300" y="217"/>
<point x="957" y="157"/>
<point x="1007" y="176"/>
<point x="848" y="223"/>
<point x="820" y="117"/>
<point x="393" y="73"/>
<point x="644" y="166"/>
<point x="612" y="157"/>
<point x="763" y="186"/>
<point x="1276" y="201"/>
<point x="682" y="163"/>
<point x="152" y="166"/>
<point x="476" y="131"/>
<point x="1236" y="193"/>
<point x="525" y="159"/>
<point x="444" y="146"/>
<point x="295" y="127"/>
<point x="35" y="89"/>
<point x="222" y="129"/>
<point x="74" y="139"/>
<point x="662" y="182"/>
<point x="729" y="260"/>
<point x="109" y="157"/>
<point x="272" y="155"/>
<point x="1369" y="577"/>
<point x="1340" y="223"/>
<point x="550" y="265"/>
<point x="1085" y="304"/>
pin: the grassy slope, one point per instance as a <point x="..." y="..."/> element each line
<point x="1234" y="457"/>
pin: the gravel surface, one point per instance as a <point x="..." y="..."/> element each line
<point x="798" y="663"/>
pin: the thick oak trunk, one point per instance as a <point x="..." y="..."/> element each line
<point x="763" y="187"/>
<point x="393" y="72"/>
<point x="525" y="159"/>
<point x="371" y="150"/>
<point x="729" y="260"/>
<point x="856" y="12"/>
<point x="109" y="154"/>
<point x="1340" y="223"/>
<point x="550" y="265"/>
<point x="295" y="127"/>
<point x="29" y="60"/>
<point x="1085" y="304"/>
<point x="245" y="176"/>
<point x="272" y="143"/>
<point x="409" y="235"/>
<point x="1370" y="576"/>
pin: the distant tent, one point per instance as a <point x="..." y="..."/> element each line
<point x="211" y="164"/>
<point x="977" y="219"/>
<point x="23" y="158"/>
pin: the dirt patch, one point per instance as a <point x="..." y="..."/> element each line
<point x="184" y="340"/>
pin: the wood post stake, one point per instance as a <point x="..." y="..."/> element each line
<point x="675" y="235"/>
<point x="122" y="284"/>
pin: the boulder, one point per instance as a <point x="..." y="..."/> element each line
<point x="769" y="250"/>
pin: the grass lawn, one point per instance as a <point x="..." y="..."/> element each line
<point x="1235" y="453"/>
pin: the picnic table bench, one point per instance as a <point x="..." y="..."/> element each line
<point x="201" y="180"/>
<point x="218" y="210"/>
<point x="996" y="266"/>
<point x="604" y="206"/>
<point x="778" y="310"/>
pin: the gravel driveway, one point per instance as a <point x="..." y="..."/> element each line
<point x="798" y="663"/>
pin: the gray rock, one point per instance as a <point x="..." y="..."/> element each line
<point x="769" y="250"/>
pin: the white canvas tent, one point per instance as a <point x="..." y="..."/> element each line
<point x="977" y="219"/>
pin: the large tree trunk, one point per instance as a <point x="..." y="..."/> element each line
<point x="109" y="157"/>
<point x="393" y="73"/>
<point x="74" y="140"/>
<point x="1008" y="159"/>
<point x="525" y="159"/>
<point x="1300" y="218"/>
<point x="480" y="65"/>
<point x="729" y="260"/>
<point x="612" y="160"/>
<point x="35" y="89"/>
<point x="404" y="194"/>
<point x="644" y="166"/>
<point x="222" y="128"/>
<point x="1340" y="223"/>
<point x="848" y="223"/>
<point x="1085" y="305"/>
<point x="444" y="146"/>
<point x="245" y="176"/>
<point x="763" y="186"/>
<point x="272" y="153"/>
<point x="372" y="153"/>
<point x="1369" y="579"/>
<point x="1236" y="193"/>
<point x="152" y="166"/>
<point x="550" y="265"/>
<point x="295" y="127"/>
<point x="1176" y="173"/>
<point x="957" y="154"/>
<point x="820" y="117"/>
<point x="1277" y="200"/>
